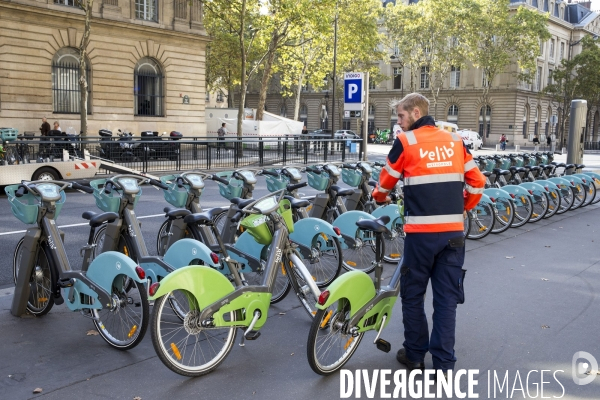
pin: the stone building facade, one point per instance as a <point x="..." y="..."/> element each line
<point x="515" y="109"/>
<point x="146" y="61"/>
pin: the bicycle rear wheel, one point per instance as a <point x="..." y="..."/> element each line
<point x="482" y="221"/>
<point x="394" y="242"/>
<point x="359" y="257"/>
<point x="329" y="346"/>
<point x="124" y="325"/>
<point x="189" y="347"/>
<point x="41" y="298"/>
<point x="579" y="196"/>
<point x="540" y="206"/>
<point x="325" y="260"/>
<point x="553" y="203"/>
<point x="566" y="200"/>
<point x="590" y="190"/>
<point x="300" y="286"/>
<point x="523" y="211"/>
<point x="505" y="214"/>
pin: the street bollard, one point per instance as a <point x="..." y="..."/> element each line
<point x="498" y="147"/>
<point x="576" y="132"/>
<point x="517" y="148"/>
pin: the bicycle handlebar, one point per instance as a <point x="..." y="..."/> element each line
<point x="290" y="188"/>
<point x="238" y="215"/>
<point x="21" y="191"/>
<point x="315" y="170"/>
<point x="159" y="184"/>
<point x="267" y="172"/>
<point x="219" y="179"/>
<point x="78" y="186"/>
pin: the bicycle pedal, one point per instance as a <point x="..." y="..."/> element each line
<point x="58" y="300"/>
<point x="383" y="345"/>
<point x="252" y="335"/>
<point x="66" y="283"/>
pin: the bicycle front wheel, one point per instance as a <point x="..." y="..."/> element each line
<point x="189" y="347"/>
<point x="590" y="190"/>
<point x="523" y="210"/>
<point x="540" y="206"/>
<point x="579" y="196"/>
<point x="41" y="298"/>
<point x="329" y="345"/>
<point x="360" y="255"/>
<point x="325" y="259"/>
<point x="505" y="214"/>
<point x="124" y="246"/>
<point x="124" y="325"/>
<point x="394" y="242"/>
<point x="482" y="220"/>
<point x="566" y="200"/>
<point x="305" y="295"/>
<point x="553" y="203"/>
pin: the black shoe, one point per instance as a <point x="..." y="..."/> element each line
<point x="403" y="359"/>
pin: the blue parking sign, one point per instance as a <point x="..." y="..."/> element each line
<point x="353" y="90"/>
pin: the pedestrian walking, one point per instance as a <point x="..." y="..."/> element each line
<point x="548" y="140"/>
<point x="536" y="141"/>
<point x="45" y="128"/>
<point x="441" y="181"/>
<point x="221" y="132"/>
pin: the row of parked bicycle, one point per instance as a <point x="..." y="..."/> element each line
<point x="219" y="270"/>
<point x="527" y="187"/>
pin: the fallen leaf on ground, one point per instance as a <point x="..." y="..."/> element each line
<point x="547" y="246"/>
<point x="593" y="372"/>
<point x="281" y="313"/>
<point x="37" y="390"/>
<point x="92" y="332"/>
<point x="545" y="327"/>
<point x="510" y="256"/>
<point x="544" y="279"/>
<point x="137" y="398"/>
<point x="292" y="354"/>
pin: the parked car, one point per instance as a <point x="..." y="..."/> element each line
<point x="320" y="134"/>
<point x="346" y="134"/>
<point x="471" y="139"/>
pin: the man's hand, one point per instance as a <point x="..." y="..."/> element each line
<point x="387" y="200"/>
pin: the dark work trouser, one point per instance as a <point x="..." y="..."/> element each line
<point x="431" y="256"/>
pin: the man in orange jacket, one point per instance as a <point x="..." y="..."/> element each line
<point x="441" y="181"/>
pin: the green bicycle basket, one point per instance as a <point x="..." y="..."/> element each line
<point x="234" y="189"/>
<point x="318" y="181"/>
<point x="351" y="177"/>
<point x="8" y="134"/>
<point x="174" y="195"/>
<point x="108" y="202"/>
<point x="376" y="172"/>
<point x="256" y="224"/>
<point x="275" y="183"/>
<point x="26" y="207"/>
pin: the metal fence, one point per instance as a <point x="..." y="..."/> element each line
<point x="163" y="154"/>
<point x="591" y="145"/>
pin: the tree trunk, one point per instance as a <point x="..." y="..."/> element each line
<point x="87" y="6"/>
<point x="268" y="66"/>
<point x="297" y="101"/>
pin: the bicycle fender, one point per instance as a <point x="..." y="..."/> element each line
<point x="593" y="176"/>
<point x="585" y="179"/>
<point x="205" y="283"/>
<point x="184" y="251"/>
<point x="496" y="193"/>
<point x="108" y="265"/>
<point x="518" y="193"/>
<point x="306" y="229"/>
<point x="248" y="246"/>
<point x="356" y="286"/>
<point x="562" y="183"/>
<point x="73" y="299"/>
<point x="549" y="185"/>
<point x="486" y="199"/>
<point x="392" y="211"/>
<point x="533" y="186"/>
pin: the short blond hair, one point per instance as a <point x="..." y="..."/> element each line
<point x="412" y="101"/>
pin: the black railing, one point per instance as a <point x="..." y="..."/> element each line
<point x="591" y="145"/>
<point x="164" y="154"/>
<point x="66" y="92"/>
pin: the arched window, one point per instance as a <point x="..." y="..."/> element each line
<point x="283" y="111"/>
<point x="547" y="127"/>
<point x="525" y="118"/>
<point x="371" y="119"/>
<point x="536" y="121"/>
<point x="485" y="121"/>
<point x="66" y="92"/>
<point x="148" y="88"/>
<point x="324" y="113"/>
<point x="453" y="114"/>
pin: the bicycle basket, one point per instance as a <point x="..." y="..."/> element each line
<point x="26" y="207"/>
<point x="8" y="134"/>
<point x="376" y="172"/>
<point x="318" y="181"/>
<point x="234" y="189"/>
<point x="351" y="177"/>
<point x="276" y="183"/>
<point x="108" y="202"/>
<point x="256" y="224"/>
<point x="174" y="195"/>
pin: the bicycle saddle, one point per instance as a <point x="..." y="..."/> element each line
<point x="297" y="203"/>
<point x="98" y="219"/>
<point x="372" y="183"/>
<point x="175" y="213"/>
<point x="205" y="217"/>
<point x="487" y="173"/>
<point x="579" y="166"/>
<point x="374" y="225"/>
<point x="499" y="171"/>
<point x="241" y="203"/>
<point x="341" y="192"/>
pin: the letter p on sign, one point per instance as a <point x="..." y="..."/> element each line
<point x="352" y="89"/>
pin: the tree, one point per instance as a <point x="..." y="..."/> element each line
<point x="563" y="89"/>
<point x="500" y="36"/>
<point x="588" y="75"/>
<point x="86" y="6"/>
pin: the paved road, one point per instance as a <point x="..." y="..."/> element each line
<point x="531" y="303"/>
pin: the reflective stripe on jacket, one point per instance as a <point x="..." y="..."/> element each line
<point x="441" y="180"/>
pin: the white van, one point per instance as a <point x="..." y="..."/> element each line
<point x="471" y="139"/>
<point x="447" y="126"/>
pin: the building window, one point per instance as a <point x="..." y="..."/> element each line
<point x="525" y="118"/>
<point x="372" y="85"/>
<point x="346" y="124"/>
<point x="541" y="48"/>
<point x="485" y="122"/>
<point x="324" y="113"/>
<point x="219" y="96"/>
<point x="562" y="51"/>
<point x="538" y="79"/>
<point x="534" y="3"/>
<point x="545" y="5"/>
<point x="397" y="78"/>
<point x="207" y="96"/>
<point x="453" y="113"/>
<point x="556" y="10"/>
<point x="396" y="49"/>
<point x="551" y="51"/>
<point x="70" y="3"/>
<point x="454" y="77"/>
<point x="304" y="114"/>
<point x="146" y="10"/>
<point x="66" y="92"/>
<point x="148" y="88"/>
<point x="283" y="111"/>
<point x="549" y="77"/>
<point x="424" y="77"/>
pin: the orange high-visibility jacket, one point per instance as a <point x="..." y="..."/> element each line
<point x="441" y="180"/>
